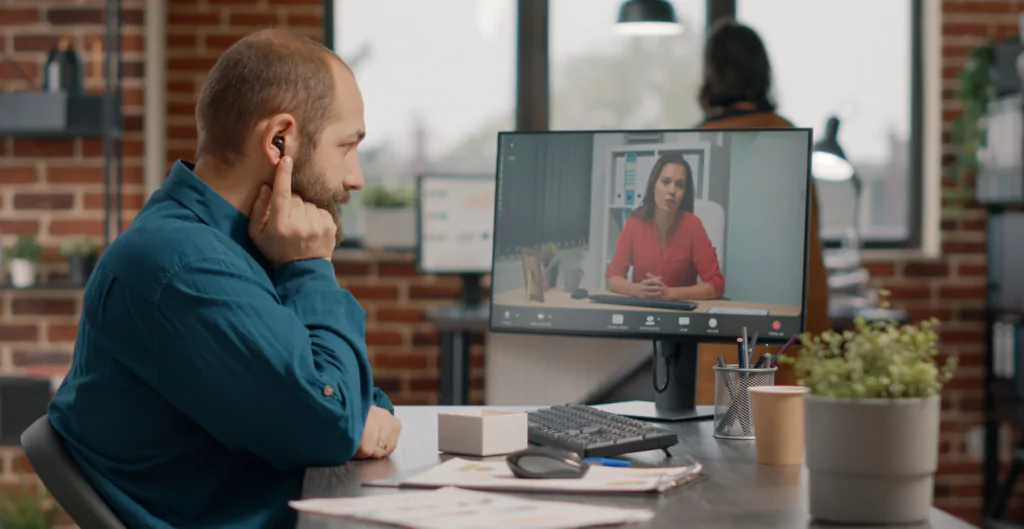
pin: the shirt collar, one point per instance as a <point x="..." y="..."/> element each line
<point x="192" y="192"/>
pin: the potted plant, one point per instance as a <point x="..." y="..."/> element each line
<point x="24" y="255"/>
<point x="872" y="420"/>
<point x="27" y="509"/>
<point x="389" y="217"/>
<point x="81" y="254"/>
<point x="549" y="260"/>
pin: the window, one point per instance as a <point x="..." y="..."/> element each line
<point x="603" y="80"/>
<point x="438" y="83"/>
<point x="823" y="65"/>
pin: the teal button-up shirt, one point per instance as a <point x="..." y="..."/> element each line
<point x="205" y="381"/>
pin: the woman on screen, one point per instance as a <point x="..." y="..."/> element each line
<point x="665" y="243"/>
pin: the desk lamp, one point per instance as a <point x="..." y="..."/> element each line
<point x="647" y="18"/>
<point x="829" y="164"/>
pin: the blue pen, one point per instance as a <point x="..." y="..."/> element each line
<point x="742" y="363"/>
<point x="608" y="462"/>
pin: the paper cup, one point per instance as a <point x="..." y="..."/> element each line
<point x="778" y="413"/>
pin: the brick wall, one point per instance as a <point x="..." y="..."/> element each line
<point x="38" y="328"/>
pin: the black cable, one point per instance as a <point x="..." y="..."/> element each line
<point x="654" y="371"/>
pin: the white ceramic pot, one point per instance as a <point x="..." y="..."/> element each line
<point x="23" y="273"/>
<point x="872" y="461"/>
<point x="389" y="228"/>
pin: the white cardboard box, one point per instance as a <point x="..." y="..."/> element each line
<point x="481" y="432"/>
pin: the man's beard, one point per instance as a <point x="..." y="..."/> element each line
<point x="310" y="183"/>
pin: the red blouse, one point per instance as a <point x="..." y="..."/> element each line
<point x="688" y="253"/>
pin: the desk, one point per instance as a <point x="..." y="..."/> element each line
<point x="561" y="299"/>
<point x="455" y="324"/>
<point x="773" y="497"/>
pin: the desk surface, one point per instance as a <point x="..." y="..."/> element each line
<point x="772" y="497"/>
<point x="562" y="299"/>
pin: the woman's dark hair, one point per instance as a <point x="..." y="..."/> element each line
<point x="736" y="68"/>
<point x="646" y="208"/>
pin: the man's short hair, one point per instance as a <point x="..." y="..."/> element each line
<point x="262" y="74"/>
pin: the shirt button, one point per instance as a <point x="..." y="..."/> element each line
<point x="328" y="390"/>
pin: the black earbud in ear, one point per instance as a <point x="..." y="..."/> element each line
<point x="279" y="143"/>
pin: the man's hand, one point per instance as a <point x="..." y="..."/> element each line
<point x="284" y="227"/>
<point x="651" y="288"/>
<point x="380" y="435"/>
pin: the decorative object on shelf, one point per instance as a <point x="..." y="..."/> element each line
<point x="24" y="258"/>
<point x="872" y="420"/>
<point x="549" y="262"/>
<point x="81" y="254"/>
<point x="63" y="70"/>
<point x="389" y="217"/>
<point x="27" y="507"/>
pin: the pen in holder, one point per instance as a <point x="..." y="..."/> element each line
<point x="732" y="400"/>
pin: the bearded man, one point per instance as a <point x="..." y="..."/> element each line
<point x="216" y="356"/>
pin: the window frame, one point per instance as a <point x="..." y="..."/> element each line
<point x="533" y="92"/>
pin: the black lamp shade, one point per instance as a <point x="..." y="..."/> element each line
<point x="828" y="161"/>
<point x="648" y="17"/>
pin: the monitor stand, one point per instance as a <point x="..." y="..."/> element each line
<point x="471" y="292"/>
<point x="675" y="387"/>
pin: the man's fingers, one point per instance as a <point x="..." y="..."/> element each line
<point x="282" y="193"/>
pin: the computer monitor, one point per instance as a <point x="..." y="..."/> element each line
<point x="674" y="236"/>
<point x="455" y="217"/>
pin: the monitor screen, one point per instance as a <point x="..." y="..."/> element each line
<point x="456" y="216"/>
<point x="663" y="234"/>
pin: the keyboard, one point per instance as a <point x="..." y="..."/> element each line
<point x="738" y="311"/>
<point x="591" y="432"/>
<point x="642" y="302"/>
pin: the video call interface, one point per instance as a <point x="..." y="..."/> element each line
<point x="690" y="233"/>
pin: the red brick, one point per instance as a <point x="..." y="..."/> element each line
<point x="951" y="337"/>
<point x="407" y="361"/>
<point x="21" y="465"/>
<point x="74" y="175"/>
<point x="919" y="314"/>
<point x="423" y="384"/>
<point x="43" y="148"/>
<point x="18" y="333"/>
<point x="959" y="382"/>
<point x="345" y="268"/>
<point x="192" y="64"/>
<point x="221" y="42"/>
<point x="28" y="358"/>
<point x="128" y="200"/>
<point x="946" y="293"/>
<point x="62" y="332"/>
<point x="960" y="467"/>
<point x="908" y="292"/>
<point x="17" y="175"/>
<point x="188" y="41"/>
<point x="133" y="43"/>
<point x="35" y="42"/>
<point x="976" y="6"/>
<point x="19" y="227"/>
<point x="376" y="292"/>
<point x="43" y="201"/>
<point x="434" y="291"/>
<point x="192" y="19"/>
<point x="77" y="227"/>
<point x="972" y="270"/>
<point x="253" y="19"/>
<point x="294" y="2"/>
<point x="67" y="17"/>
<point x="397" y="269"/>
<point x="133" y="70"/>
<point x="14" y="17"/>
<point x="10" y="69"/>
<point x="963" y="247"/>
<point x="954" y="28"/>
<point x="383" y="338"/>
<point x="182" y="132"/>
<point x="973" y="224"/>
<point x="925" y="269"/>
<point x="296" y="20"/>
<point x="132" y="175"/>
<point x="181" y="87"/>
<point x="423" y="338"/>
<point x="43" y="306"/>
<point x="881" y="269"/>
<point x="388" y="384"/>
<point x="972" y="314"/>
<point x="399" y="314"/>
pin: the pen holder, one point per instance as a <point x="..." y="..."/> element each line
<point x="732" y="400"/>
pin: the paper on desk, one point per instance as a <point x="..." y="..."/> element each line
<point x="495" y="475"/>
<point x="451" y="508"/>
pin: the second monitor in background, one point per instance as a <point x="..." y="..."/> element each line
<point x="455" y="227"/>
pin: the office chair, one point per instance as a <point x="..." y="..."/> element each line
<point x="60" y="475"/>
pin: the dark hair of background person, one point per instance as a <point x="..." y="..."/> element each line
<point x="736" y="69"/>
<point x="646" y="208"/>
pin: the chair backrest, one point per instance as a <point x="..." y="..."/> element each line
<point x="54" y="465"/>
<point x="712" y="215"/>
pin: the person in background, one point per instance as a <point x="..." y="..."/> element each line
<point x="216" y="357"/>
<point x="665" y="243"/>
<point x="736" y="93"/>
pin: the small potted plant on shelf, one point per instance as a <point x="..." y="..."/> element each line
<point x="81" y="254"/>
<point x="389" y="217"/>
<point x="872" y="420"/>
<point x="24" y="256"/>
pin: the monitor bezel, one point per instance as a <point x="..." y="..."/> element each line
<point x="419" y="221"/>
<point x="656" y="336"/>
